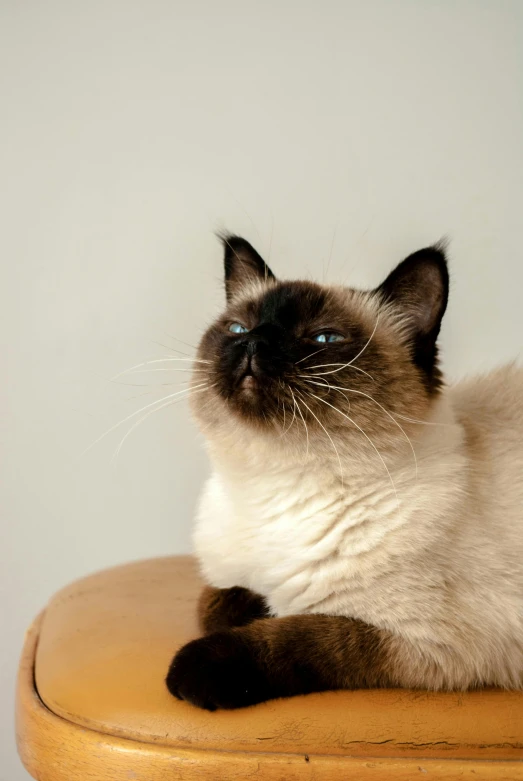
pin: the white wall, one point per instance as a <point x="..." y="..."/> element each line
<point x="130" y="131"/>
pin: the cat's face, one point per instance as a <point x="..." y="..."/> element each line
<point x="306" y="363"/>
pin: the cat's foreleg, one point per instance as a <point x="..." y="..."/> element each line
<point x="280" y="657"/>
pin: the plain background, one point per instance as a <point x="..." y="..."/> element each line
<point x="336" y="136"/>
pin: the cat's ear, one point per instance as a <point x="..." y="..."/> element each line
<point x="242" y="265"/>
<point x="419" y="289"/>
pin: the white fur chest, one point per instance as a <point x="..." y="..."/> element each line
<point x="297" y="540"/>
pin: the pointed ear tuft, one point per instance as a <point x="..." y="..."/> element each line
<point x="242" y="265"/>
<point x="418" y="288"/>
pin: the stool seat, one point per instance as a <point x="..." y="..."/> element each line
<point x="92" y="704"/>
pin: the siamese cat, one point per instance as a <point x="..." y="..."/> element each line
<point x="363" y="525"/>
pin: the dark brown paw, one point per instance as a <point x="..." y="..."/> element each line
<point x="217" y="671"/>
<point x="225" y="608"/>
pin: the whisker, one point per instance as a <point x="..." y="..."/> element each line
<point x="329" y="436"/>
<point x="139" y="384"/>
<point x="172" y="349"/>
<point x="421" y="422"/>
<point x="138" y="395"/>
<point x="303" y="420"/>
<point x="283" y="408"/>
<point x="157" y="360"/>
<point x="158" y="401"/>
<point x="326" y="384"/>
<point x="368" y="342"/>
<point x="360" y="352"/>
<point x="170" y="369"/>
<point x="361" y="393"/>
<point x="152" y="388"/>
<point x="366" y="437"/>
<point x="187" y="344"/>
<point x="293" y="416"/>
<point x="310" y="356"/>
<point x="141" y="420"/>
<point x="341" y="365"/>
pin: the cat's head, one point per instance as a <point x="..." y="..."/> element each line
<point x="300" y="364"/>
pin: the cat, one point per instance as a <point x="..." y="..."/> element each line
<point x="363" y="525"/>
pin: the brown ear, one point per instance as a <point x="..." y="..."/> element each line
<point x="242" y="265"/>
<point x="419" y="289"/>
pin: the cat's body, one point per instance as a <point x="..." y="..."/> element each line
<point x="441" y="571"/>
<point x="363" y="525"/>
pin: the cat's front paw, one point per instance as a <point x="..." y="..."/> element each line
<point x="220" y="609"/>
<point x="218" y="671"/>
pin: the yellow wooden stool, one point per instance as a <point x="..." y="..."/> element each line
<point x="92" y="704"/>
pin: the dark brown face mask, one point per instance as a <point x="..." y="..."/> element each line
<point x="279" y="342"/>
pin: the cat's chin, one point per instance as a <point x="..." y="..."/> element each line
<point x="249" y="386"/>
<point x="249" y="400"/>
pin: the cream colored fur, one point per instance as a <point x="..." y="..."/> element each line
<point x="440" y="567"/>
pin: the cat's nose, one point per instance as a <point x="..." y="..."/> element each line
<point x="250" y="361"/>
<point x="255" y="340"/>
<point x="258" y="350"/>
<point x="264" y="335"/>
<point x="253" y="345"/>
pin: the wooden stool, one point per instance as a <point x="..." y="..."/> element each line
<point x="92" y="704"/>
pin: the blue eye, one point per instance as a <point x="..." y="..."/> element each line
<point x="238" y="328"/>
<point x="328" y="337"/>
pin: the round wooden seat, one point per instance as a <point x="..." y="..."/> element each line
<point x="92" y="704"/>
